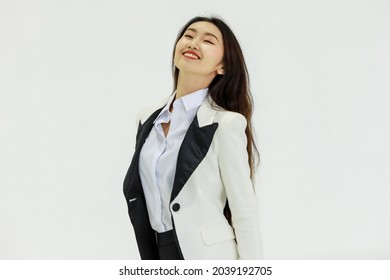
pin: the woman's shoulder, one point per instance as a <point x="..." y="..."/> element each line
<point x="228" y="118"/>
<point x="225" y="117"/>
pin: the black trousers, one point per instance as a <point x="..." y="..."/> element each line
<point x="167" y="247"/>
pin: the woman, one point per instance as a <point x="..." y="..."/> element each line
<point x="188" y="189"/>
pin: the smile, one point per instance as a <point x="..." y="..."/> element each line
<point x="191" y="55"/>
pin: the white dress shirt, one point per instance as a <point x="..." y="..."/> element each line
<point x="157" y="163"/>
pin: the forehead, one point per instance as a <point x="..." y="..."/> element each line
<point x="206" y="27"/>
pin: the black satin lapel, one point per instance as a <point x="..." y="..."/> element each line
<point x="195" y="145"/>
<point x="144" y="129"/>
<point x="132" y="181"/>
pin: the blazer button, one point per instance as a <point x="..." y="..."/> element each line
<point x="176" y="207"/>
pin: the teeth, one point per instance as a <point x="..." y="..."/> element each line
<point x="191" y="55"/>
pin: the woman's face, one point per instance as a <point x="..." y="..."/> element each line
<point x="200" y="50"/>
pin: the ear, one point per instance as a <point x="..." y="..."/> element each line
<point x="220" y="70"/>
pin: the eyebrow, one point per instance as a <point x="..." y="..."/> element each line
<point x="207" y="33"/>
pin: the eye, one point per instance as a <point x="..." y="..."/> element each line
<point x="188" y="36"/>
<point x="208" y="42"/>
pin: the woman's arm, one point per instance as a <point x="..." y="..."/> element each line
<point x="235" y="174"/>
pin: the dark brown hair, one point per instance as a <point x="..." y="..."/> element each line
<point x="230" y="91"/>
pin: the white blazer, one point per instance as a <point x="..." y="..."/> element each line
<point x="212" y="168"/>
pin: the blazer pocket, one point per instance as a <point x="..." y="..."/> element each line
<point x="218" y="233"/>
<point x="131" y="202"/>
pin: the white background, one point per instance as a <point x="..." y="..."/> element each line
<point x="74" y="73"/>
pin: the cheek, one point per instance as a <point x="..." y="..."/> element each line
<point x="179" y="47"/>
<point x="217" y="55"/>
<point x="177" y="51"/>
<point x="180" y="44"/>
<point x="177" y="56"/>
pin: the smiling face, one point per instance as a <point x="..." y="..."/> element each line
<point x="200" y="50"/>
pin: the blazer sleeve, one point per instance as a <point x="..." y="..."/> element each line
<point x="235" y="175"/>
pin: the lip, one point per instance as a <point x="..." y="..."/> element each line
<point x="193" y="53"/>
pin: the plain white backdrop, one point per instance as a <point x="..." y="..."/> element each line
<point x="74" y="73"/>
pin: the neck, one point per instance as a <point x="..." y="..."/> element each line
<point x="188" y="83"/>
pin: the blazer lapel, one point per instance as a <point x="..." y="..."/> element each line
<point x="132" y="183"/>
<point x="194" y="148"/>
<point x="195" y="145"/>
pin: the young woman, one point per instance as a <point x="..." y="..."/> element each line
<point x="188" y="189"/>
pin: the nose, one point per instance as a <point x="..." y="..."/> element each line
<point x="193" y="45"/>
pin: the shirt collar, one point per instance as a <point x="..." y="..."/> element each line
<point x="190" y="101"/>
<point x="165" y="111"/>
<point x="195" y="99"/>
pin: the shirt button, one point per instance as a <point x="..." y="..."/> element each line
<point x="176" y="207"/>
